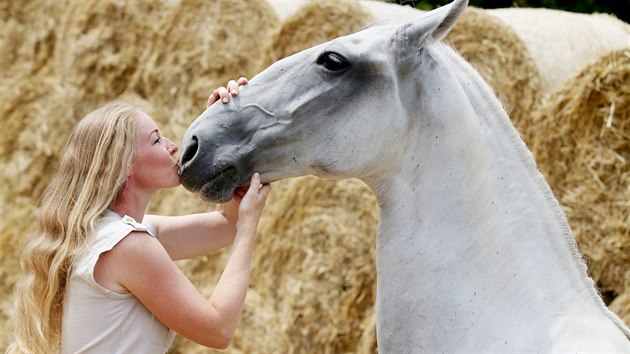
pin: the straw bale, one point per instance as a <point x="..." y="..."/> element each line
<point x="503" y="61"/>
<point x="314" y="23"/>
<point x="28" y="36"/>
<point x="318" y="268"/>
<point x="37" y="118"/>
<point x="561" y="42"/>
<point x="286" y="8"/>
<point x="201" y="45"/>
<point x="583" y="148"/>
<point x="383" y="11"/>
<point x="621" y="305"/>
<point x="102" y="47"/>
<point x="380" y="10"/>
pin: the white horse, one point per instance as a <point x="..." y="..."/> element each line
<point x="474" y="253"/>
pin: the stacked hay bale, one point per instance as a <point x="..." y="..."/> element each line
<point x="316" y="269"/>
<point x="314" y="23"/>
<point x="583" y="148"/>
<point x="101" y="47"/>
<point x="562" y="43"/>
<point x="28" y="38"/>
<point x="286" y="8"/>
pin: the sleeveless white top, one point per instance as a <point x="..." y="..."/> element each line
<point x="99" y="320"/>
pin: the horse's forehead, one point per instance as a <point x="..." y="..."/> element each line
<point x="368" y="37"/>
<point x="365" y="45"/>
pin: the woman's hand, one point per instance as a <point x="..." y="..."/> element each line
<point x="223" y="93"/>
<point x="252" y="204"/>
<point x="230" y="209"/>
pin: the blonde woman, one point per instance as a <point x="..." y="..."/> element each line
<point x="99" y="276"/>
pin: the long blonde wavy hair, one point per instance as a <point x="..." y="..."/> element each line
<point x="92" y="171"/>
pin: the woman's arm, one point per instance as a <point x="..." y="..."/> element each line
<point x="188" y="236"/>
<point x="141" y="265"/>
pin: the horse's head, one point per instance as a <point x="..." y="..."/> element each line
<point x="334" y="110"/>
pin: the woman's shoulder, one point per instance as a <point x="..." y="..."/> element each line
<point x="111" y="221"/>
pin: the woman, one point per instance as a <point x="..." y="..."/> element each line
<point x="99" y="276"/>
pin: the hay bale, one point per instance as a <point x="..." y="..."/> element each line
<point x="380" y="10"/>
<point x="315" y="267"/>
<point x="28" y="36"/>
<point x="562" y="43"/>
<point x="101" y="48"/>
<point x="621" y="306"/>
<point x="201" y="45"/>
<point x="383" y="11"/>
<point x="38" y="119"/>
<point x="286" y="8"/>
<point x="502" y="59"/>
<point x="316" y="22"/>
<point x="583" y="149"/>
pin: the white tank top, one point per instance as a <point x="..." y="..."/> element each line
<point x="99" y="320"/>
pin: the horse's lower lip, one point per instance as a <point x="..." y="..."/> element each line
<point x="217" y="184"/>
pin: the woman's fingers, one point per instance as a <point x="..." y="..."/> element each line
<point x="260" y="189"/>
<point x="223" y="93"/>
<point x="232" y="86"/>
<point x="254" y="184"/>
<point x="213" y="98"/>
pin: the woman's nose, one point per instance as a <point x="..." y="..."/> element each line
<point x="172" y="147"/>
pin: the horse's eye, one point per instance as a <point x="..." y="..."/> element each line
<point x="333" y="61"/>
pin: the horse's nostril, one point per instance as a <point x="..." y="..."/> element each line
<point x="191" y="151"/>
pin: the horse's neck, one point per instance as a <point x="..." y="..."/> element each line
<point x="471" y="239"/>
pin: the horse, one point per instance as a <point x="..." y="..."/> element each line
<point x="473" y="251"/>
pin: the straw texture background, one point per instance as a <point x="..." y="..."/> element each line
<point x="584" y="151"/>
<point x="558" y="37"/>
<point x="313" y="284"/>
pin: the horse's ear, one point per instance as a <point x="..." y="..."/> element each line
<point x="432" y="26"/>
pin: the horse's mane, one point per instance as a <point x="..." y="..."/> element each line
<point x="498" y="110"/>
